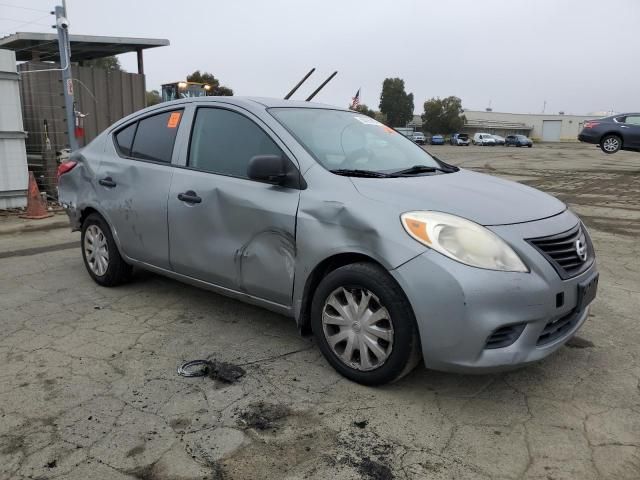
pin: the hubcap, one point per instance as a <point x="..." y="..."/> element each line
<point x="95" y="250"/>
<point x="358" y="328"/>
<point x="611" y="144"/>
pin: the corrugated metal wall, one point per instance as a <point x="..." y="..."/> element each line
<point x="104" y="96"/>
<point x="13" y="158"/>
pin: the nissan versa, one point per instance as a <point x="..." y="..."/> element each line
<point x="384" y="252"/>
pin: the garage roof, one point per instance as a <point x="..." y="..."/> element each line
<point x="83" y="47"/>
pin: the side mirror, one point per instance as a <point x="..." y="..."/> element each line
<point x="268" y="168"/>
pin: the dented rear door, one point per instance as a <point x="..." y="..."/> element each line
<point x="133" y="184"/>
<point x="224" y="228"/>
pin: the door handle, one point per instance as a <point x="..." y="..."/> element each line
<point x="189" y="197"/>
<point x="107" y="182"/>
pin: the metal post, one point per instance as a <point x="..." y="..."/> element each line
<point x="140" y="61"/>
<point x="62" y="25"/>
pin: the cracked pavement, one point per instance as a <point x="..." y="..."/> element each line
<point x="88" y="388"/>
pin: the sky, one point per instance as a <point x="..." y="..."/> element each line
<point x="578" y="56"/>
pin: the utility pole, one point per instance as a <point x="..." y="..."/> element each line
<point x="64" y="48"/>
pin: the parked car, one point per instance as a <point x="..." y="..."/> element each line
<point x="484" y="139"/>
<point x="418" y="137"/>
<point x="619" y="132"/>
<point x="518" y="141"/>
<point x="499" y="140"/>
<point x="437" y="140"/>
<point x="384" y="252"/>
<point x="460" y="139"/>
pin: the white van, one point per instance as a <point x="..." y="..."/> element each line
<point x="483" y="139"/>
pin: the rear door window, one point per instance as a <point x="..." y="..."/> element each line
<point x="633" y="119"/>
<point x="155" y="137"/>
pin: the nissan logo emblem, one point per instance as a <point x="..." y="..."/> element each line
<point x="581" y="250"/>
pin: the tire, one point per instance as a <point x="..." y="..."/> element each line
<point x="400" y="351"/>
<point x="106" y="267"/>
<point x="529" y="146"/>
<point x="610" y="144"/>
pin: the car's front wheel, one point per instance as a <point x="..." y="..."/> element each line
<point x="100" y="253"/>
<point x="364" y="324"/>
<point x="611" y="144"/>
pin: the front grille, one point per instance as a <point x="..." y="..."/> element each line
<point x="504" y="336"/>
<point x="562" y="252"/>
<point x="558" y="328"/>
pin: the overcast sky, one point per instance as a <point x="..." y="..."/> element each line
<point x="579" y="56"/>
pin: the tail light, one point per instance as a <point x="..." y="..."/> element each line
<point x="590" y="124"/>
<point x="65" y="167"/>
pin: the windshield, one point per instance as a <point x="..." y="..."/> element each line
<point x="521" y="137"/>
<point x="347" y="140"/>
<point x="463" y="136"/>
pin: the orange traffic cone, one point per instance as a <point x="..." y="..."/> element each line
<point x="36" y="205"/>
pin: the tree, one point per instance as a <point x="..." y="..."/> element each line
<point x="152" y="97"/>
<point x="443" y="115"/>
<point x="395" y="103"/>
<point x="208" y="78"/>
<point x="107" y="63"/>
<point x="363" y="109"/>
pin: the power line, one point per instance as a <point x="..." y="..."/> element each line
<point x="34" y="21"/>
<point x="22" y="8"/>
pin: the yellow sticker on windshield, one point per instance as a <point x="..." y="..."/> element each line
<point x="371" y="121"/>
<point x="367" y="120"/>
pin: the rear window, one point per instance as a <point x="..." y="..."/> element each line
<point x="156" y="136"/>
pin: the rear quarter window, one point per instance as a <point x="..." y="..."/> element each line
<point x="124" y="139"/>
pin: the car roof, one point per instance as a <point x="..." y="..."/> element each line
<point x="252" y="101"/>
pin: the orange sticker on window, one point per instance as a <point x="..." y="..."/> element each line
<point x="174" y="119"/>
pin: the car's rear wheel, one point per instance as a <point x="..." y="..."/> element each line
<point x="364" y="324"/>
<point x="610" y="143"/>
<point x="100" y="253"/>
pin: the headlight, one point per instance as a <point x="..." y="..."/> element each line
<point x="462" y="240"/>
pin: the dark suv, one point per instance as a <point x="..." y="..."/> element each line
<point x="619" y="132"/>
<point x="518" y="141"/>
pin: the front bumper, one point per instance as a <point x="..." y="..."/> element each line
<point x="458" y="307"/>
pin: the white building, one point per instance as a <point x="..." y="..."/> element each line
<point x="540" y="127"/>
<point x="13" y="157"/>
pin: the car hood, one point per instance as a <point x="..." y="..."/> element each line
<point x="484" y="199"/>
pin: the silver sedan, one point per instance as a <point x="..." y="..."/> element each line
<point x="385" y="253"/>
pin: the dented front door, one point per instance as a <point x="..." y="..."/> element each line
<point x="224" y="228"/>
<point x="240" y="235"/>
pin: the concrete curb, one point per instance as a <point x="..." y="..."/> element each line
<point x="20" y="225"/>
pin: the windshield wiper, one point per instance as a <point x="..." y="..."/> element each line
<point x="416" y="169"/>
<point x="347" y="172"/>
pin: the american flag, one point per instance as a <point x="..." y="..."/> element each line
<point x="355" y="101"/>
